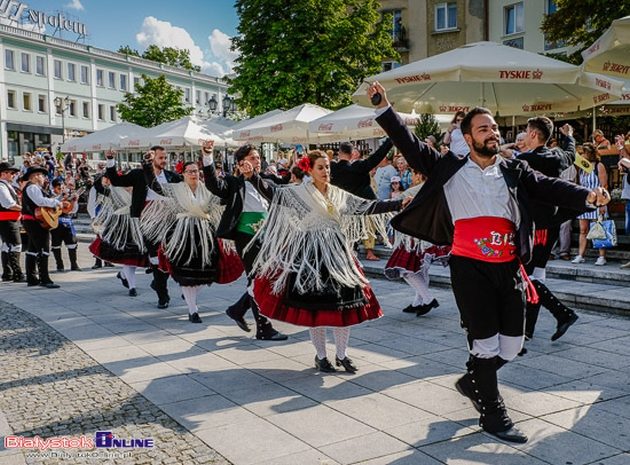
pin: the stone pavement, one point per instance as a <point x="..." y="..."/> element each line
<point x="105" y="361"/>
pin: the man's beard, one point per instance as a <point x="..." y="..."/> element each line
<point x="484" y="150"/>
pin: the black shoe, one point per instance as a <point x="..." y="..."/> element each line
<point x="511" y="435"/>
<point x="124" y="282"/>
<point x="194" y="318"/>
<point x="522" y="352"/>
<point x="347" y="364"/>
<point x="96" y="266"/>
<point x="50" y="285"/>
<point x="465" y="387"/>
<point x="162" y="304"/>
<point x="426" y="308"/>
<point x="109" y="265"/>
<point x="60" y="269"/>
<point x="240" y="321"/>
<point x="324" y="365"/>
<point x="32" y="283"/>
<point x="75" y="268"/>
<point x="409" y="309"/>
<point x="133" y="292"/>
<point x="272" y="336"/>
<point x="563" y="327"/>
<point x="7" y="277"/>
<point x="148" y="270"/>
<point x="19" y="279"/>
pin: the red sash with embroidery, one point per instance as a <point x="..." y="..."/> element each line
<point x="490" y="239"/>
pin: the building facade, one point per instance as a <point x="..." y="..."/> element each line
<point x="53" y="89"/>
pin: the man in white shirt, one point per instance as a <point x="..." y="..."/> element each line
<point x="10" y="213"/>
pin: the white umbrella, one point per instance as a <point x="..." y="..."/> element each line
<point x="290" y="126"/>
<point x="184" y="132"/>
<point x="105" y="139"/>
<point x="610" y="54"/>
<point x="504" y="79"/>
<point x="216" y="128"/>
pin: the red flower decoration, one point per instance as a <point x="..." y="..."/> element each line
<point x="304" y="164"/>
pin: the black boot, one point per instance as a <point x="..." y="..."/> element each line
<point x="98" y="263"/>
<point x="58" y="260"/>
<point x="7" y="273"/>
<point x="564" y="316"/>
<point x="44" y="278"/>
<point x="31" y="269"/>
<point x="74" y="266"/>
<point x="160" y="286"/>
<point x="264" y="329"/>
<point x="531" y="317"/>
<point x="14" y="263"/>
<point x="237" y="311"/>
<point x="494" y="417"/>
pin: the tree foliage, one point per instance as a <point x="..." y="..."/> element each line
<point x="580" y="22"/>
<point x="307" y="51"/>
<point x="172" y="56"/>
<point x="427" y="126"/>
<point x="155" y="101"/>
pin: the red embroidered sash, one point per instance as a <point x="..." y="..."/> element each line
<point x="485" y="238"/>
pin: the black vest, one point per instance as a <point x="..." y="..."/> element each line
<point x="28" y="206"/>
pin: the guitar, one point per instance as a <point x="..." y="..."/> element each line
<point x="68" y="205"/>
<point x="48" y="217"/>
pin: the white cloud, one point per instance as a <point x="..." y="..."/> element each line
<point x="220" y="45"/>
<point x="213" y="69"/>
<point x="164" y="34"/>
<point x="75" y="5"/>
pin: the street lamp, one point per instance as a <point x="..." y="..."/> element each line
<point x="229" y="105"/>
<point x="62" y="105"/>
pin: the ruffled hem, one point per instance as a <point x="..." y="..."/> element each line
<point x="108" y="253"/>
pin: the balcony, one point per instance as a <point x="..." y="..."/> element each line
<point x="400" y="40"/>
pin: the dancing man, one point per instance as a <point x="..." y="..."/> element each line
<point x="481" y="203"/>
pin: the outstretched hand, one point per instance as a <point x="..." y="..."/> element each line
<point x="598" y="197"/>
<point x="377" y="88"/>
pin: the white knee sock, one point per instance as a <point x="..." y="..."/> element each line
<point x="190" y="296"/>
<point x="129" y="273"/>
<point x="419" y="282"/>
<point x="318" y="338"/>
<point x="342" y="336"/>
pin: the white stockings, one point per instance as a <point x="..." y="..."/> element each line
<point x="419" y="282"/>
<point x="318" y="338"/>
<point x="129" y="273"/>
<point x="190" y="296"/>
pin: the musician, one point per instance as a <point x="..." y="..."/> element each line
<point x="65" y="232"/>
<point x="34" y="197"/>
<point x="10" y="213"/>
<point x="140" y="195"/>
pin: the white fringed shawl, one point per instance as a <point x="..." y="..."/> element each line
<point x="185" y="222"/>
<point x="305" y="231"/>
<point x="114" y="222"/>
<point x="410" y="244"/>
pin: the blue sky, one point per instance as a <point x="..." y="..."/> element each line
<point x="203" y="27"/>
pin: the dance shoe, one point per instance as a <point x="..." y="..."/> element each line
<point x="564" y="326"/>
<point x="347" y="364"/>
<point x="324" y="365"/>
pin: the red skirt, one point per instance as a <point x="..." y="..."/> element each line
<point x="106" y="252"/>
<point x="403" y="260"/>
<point x="273" y="306"/>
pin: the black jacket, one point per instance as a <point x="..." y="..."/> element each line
<point x="428" y="216"/>
<point x="550" y="162"/>
<point x="355" y="177"/>
<point x="231" y="189"/>
<point x="136" y="179"/>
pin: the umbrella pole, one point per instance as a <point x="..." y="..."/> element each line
<point x="594" y="118"/>
<point x="514" y="127"/>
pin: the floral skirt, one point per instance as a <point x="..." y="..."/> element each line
<point x="130" y="255"/>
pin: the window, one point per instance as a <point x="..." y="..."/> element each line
<point x="389" y="65"/>
<point x="112" y="80"/>
<point x="101" y="112"/>
<point x="9" y="59"/>
<point x="26" y="63"/>
<point x="86" y="109"/>
<point x="123" y="82"/>
<point x="40" y="66"/>
<point x="397" y="27"/>
<point x="445" y="16"/>
<point x="99" y="77"/>
<point x="550" y="7"/>
<point x="72" y="108"/>
<point x="85" y="75"/>
<point x="514" y="18"/>
<point x="197" y="97"/>
<point x="41" y="103"/>
<point x="136" y="83"/>
<point x="187" y="95"/>
<point x="112" y="113"/>
<point x="72" y="72"/>
<point x="11" y="99"/>
<point x="207" y="96"/>
<point x="26" y="100"/>
<point x="58" y="71"/>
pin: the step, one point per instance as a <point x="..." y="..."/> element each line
<point x="609" y="298"/>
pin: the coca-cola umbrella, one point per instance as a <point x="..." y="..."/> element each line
<point x="504" y="79"/>
<point x="610" y="54"/>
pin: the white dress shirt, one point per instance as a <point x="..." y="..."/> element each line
<point x="6" y="197"/>
<point x="35" y="193"/>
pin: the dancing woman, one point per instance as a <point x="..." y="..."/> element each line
<point x="185" y="226"/>
<point x="306" y="272"/>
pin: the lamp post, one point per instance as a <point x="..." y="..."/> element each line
<point x="229" y="106"/>
<point x="62" y="105"/>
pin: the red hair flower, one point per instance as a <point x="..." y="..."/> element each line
<point x="304" y="164"/>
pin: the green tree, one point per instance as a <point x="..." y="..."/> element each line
<point x="427" y="126"/>
<point x="179" y="58"/>
<point x="127" y="50"/>
<point x="315" y="51"/>
<point x="154" y="102"/>
<point x="580" y="22"/>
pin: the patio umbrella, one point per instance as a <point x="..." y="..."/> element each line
<point x="504" y="79"/>
<point x="290" y="126"/>
<point x="185" y="132"/>
<point x="105" y="139"/>
<point x="610" y="54"/>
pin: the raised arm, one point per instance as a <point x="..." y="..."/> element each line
<point x="567" y="153"/>
<point x="214" y="184"/>
<point x="371" y="162"/>
<point x="124" y="180"/>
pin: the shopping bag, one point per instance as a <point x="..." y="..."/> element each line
<point x="611" y="236"/>
<point x="596" y="231"/>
